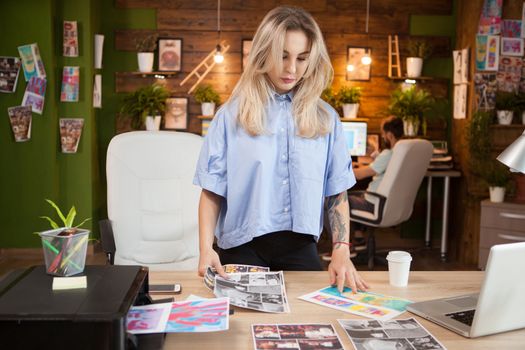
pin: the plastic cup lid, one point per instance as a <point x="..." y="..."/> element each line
<point x="399" y="256"/>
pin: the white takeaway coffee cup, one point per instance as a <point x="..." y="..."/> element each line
<point x="398" y="267"/>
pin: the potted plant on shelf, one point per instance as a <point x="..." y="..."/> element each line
<point x="418" y="51"/>
<point x="65" y="245"/>
<point x="349" y="97"/>
<point x="145" y="106"/>
<point x="506" y="103"/>
<point x="208" y="98"/>
<point x="497" y="177"/>
<point x="411" y="105"/>
<point x="329" y="97"/>
<point x="145" y="52"/>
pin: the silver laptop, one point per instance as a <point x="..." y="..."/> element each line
<point x="500" y="305"/>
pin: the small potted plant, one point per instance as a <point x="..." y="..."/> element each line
<point x="506" y="103"/>
<point x="418" y="51"/>
<point x="349" y="98"/>
<point x="208" y="98"/>
<point x="329" y="97"/>
<point x="145" y="52"/>
<point x="65" y="245"/>
<point x="145" y="106"/>
<point x="411" y="105"/>
<point x="497" y="177"/>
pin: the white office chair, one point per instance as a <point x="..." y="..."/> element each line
<point x="152" y="203"/>
<point x="394" y="199"/>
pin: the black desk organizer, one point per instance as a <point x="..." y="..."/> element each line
<point x="33" y="316"/>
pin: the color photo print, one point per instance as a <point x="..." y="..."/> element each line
<point x="295" y="336"/>
<point x="407" y="334"/>
<point x="261" y="291"/>
<point x="9" y="69"/>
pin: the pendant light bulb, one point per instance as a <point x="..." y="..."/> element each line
<point x="218" y="57"/>
<point x="366" y="59"/>
<point x="350" y="68"/>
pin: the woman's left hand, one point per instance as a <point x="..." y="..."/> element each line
<point x="342" y="271"/>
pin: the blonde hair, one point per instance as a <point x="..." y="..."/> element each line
<point x="254" y="91"/>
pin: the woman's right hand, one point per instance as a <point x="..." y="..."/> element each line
<point x="209" y="257"/>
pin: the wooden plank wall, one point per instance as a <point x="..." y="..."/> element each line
<point x="342" y="23"/>
<point x="466" y="208"/>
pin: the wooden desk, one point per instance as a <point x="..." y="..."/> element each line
<point x="423" y="285"/>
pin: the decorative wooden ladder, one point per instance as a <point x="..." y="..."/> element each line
<point x="393" y="50"/>
<point x="207" y="64"/>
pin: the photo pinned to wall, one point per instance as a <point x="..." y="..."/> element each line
<point x="485" y="86"/>
<point x="9" y="70"/>
<point x="512" y="47"/>
<point x="70" y="84"/>
<point x="70" y="39"/>
<point x="99" y="48"/>
<point x="31" y="61"/>
<point x="176" y="116"/>
<point x="97" y="91"/>
<point x="511" y="28"/>
<point x="246" y="46"/>
<point x="70" y="133"/>
<point x="461" y="61"/>
<point x="34" y="95"/>
<point x="20" y="118"/>
<point x="358" y="70"/>
<point x="509" y="73"/>
<point x="487" y="52"/>
<point x="170" y="54"/>
<point x="460" y="101"/>
<point x="490" y="18"/>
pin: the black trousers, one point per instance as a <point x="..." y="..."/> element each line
<point x="283" y="250"/>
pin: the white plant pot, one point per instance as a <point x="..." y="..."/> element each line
<point x="505" y="117"/>
<point x="208" y="108"/>
<point x="410" y="128"/>
<point x="497" y="194"/>
<point x="153" y="123"/>
<point x="414" y="67"/>
<point x="350" y="110"/>
<point x="145" y="60"/>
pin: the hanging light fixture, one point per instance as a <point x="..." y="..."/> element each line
<point x="366" y="59"/>
<point x="218" y="57"/>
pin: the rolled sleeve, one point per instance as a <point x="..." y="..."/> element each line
<point x="381" y="162"/>
<point x="340" y="176"/>
<point x="211" y="172"/>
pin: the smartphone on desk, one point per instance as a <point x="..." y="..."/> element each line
<point x="165" y="288"/>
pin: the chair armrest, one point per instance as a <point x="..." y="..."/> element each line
<point x="107" y="240"/>
<point x="378" y="208"/>
<point x="362" y="193"/>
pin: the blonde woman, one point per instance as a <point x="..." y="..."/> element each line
<point x="273" y="155"/>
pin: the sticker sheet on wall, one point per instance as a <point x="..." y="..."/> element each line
<point x="20" y="118"/>
<point x="509" y="73"/>
<point x="70" y="133"/>
<point x="9" y="69"/>
<point x="70" y="84"/>
<point x="70" y="40"/>
<point x="490" y="19"/>
<point x="31" y="61"/>
<point x="487" y="52"/>
<point x="511" y="28"/>
<point x="34" y="95"/>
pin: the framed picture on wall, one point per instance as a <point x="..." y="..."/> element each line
<point x="356" y="70"/>
<point x="246" y="46"/>
<point x="170" y="54"/>
<point x="176" y="116"/>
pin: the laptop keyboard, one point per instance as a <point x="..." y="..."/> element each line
<point x="465" y="317"/>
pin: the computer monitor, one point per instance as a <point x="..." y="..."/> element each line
<point x="355" y="133"/>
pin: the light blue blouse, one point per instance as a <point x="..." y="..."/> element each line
<point x="272" y="182"/>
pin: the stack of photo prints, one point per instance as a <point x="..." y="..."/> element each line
<point x="190" y="316"/>
<point x="251" y="287"/>
<point x="295" y="336"/>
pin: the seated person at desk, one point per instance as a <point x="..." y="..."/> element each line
<point x="391" y="132"/>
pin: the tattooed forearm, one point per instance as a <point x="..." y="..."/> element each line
<point x="338" y="217"/>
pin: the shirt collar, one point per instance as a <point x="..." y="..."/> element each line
<point x="283" y="97"/>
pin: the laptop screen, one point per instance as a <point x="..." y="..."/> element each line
<point x="355" y="133"/>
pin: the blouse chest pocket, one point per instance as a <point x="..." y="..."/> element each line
<point x="310" y="157"/>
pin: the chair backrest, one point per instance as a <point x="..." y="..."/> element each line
<point x="403" y="176"/>
<point x="152" y="203"/>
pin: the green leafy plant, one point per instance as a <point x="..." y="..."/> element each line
<point x="147" y="43"/>
<point x="478" y="139"/>
<point x="410" y="104"/>
<point x="419" y="48"/>
<point x="146" y="101"/>
<point x="329" y="97"/>
<point x="206" y="93"/>
<point x="496" y="174"/>
<point x="506" y="101"/>
<point x="67" y="220"/>
<point x="348" y="94"/>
